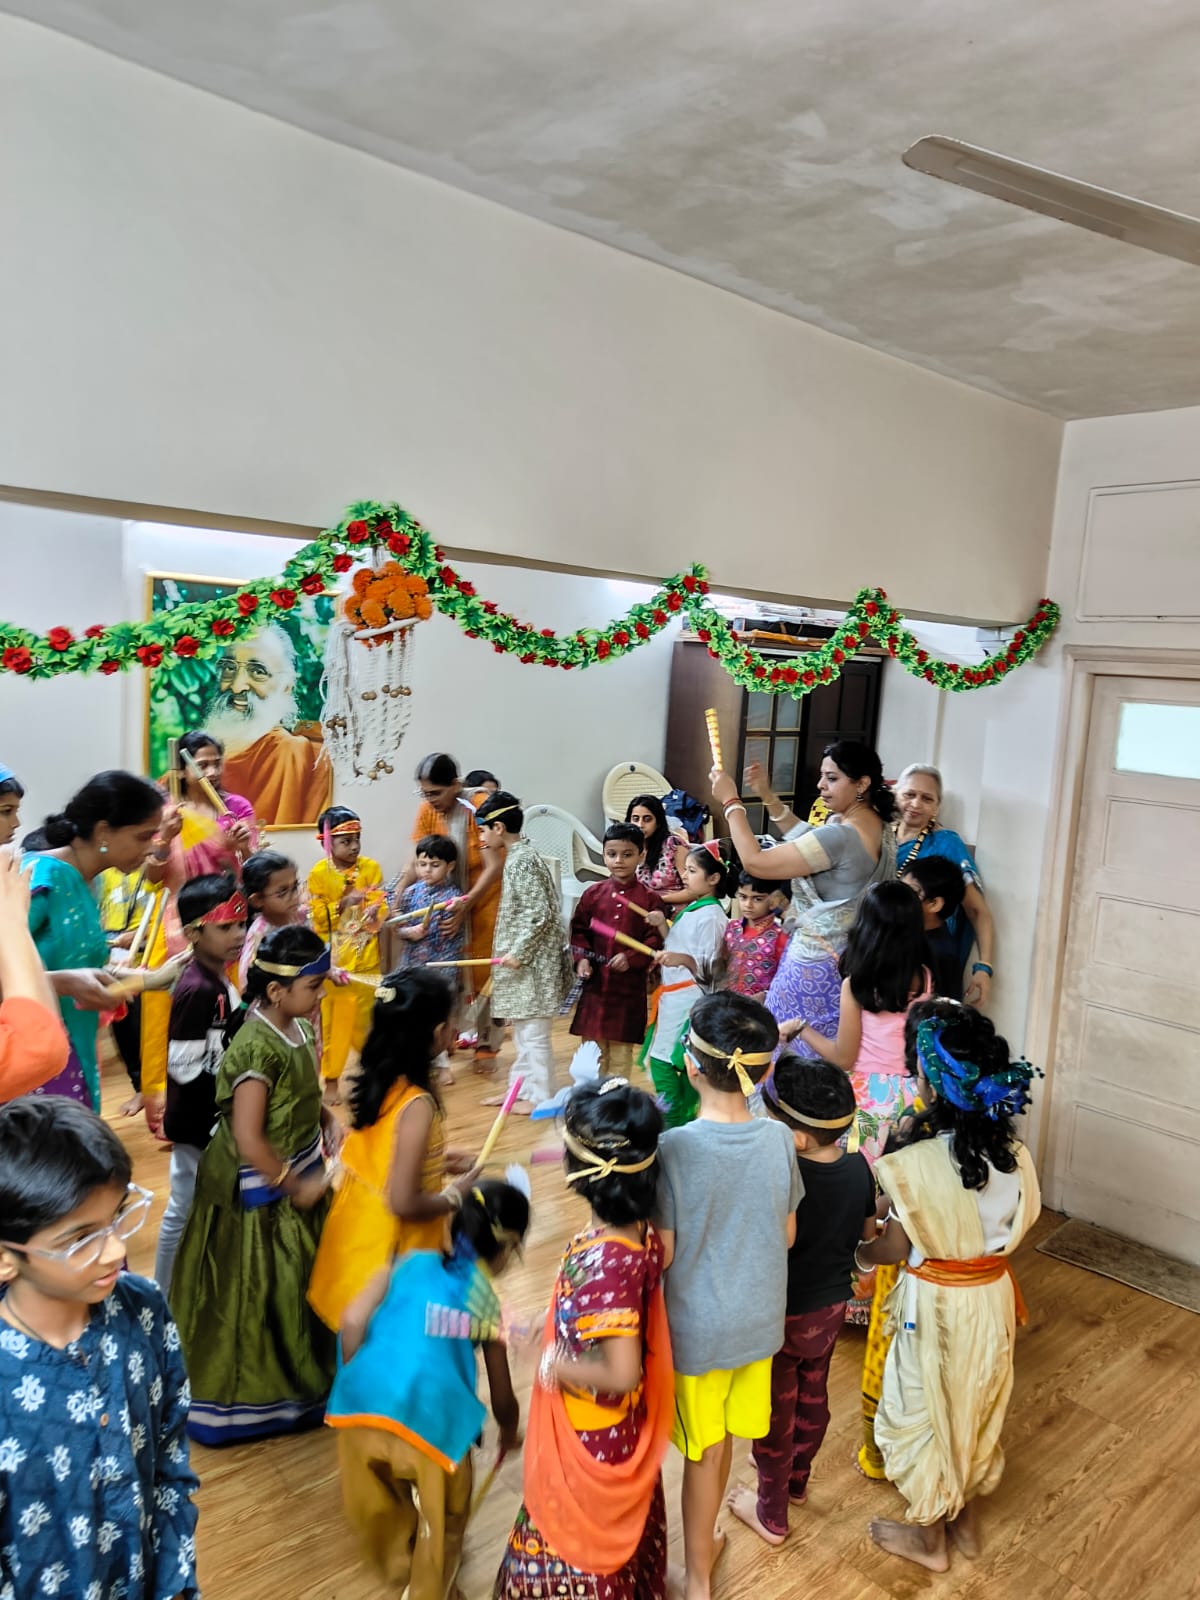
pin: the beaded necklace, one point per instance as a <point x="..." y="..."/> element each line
<point x="916" y="849"/>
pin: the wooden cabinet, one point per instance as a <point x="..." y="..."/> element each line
<point x="787" y="735"/>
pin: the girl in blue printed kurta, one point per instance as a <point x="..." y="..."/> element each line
<point x="95" y="1484"/>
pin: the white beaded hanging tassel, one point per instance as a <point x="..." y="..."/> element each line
<point x="368" y="701"/>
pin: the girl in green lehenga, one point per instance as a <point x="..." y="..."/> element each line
<point x="260" y="1362"/>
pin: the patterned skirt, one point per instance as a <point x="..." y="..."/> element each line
<point x="810" y="989"/>
<point x="531" y="1570"/>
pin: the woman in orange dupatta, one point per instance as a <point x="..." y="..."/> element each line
<point x="477" y="874"/>
<point x="594" y="1519"/>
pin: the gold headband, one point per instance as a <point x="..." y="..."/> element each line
<point x="486" y="822"/>
<point x="809" y="1122"/>
<point x="737" y="1062"/>
<point x="601" y="1166"/>
<point x="318" y="967"/>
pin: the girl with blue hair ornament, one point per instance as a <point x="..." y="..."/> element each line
<point x="960" y="1195"/>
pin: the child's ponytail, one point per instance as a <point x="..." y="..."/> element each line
<point x="494" y="1215"/>
<point x="719" y="858"/>
<point x="409" y="1009"/>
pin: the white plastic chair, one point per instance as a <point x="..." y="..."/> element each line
<point x="625" y="783"/>
<point x="560" y="837"/>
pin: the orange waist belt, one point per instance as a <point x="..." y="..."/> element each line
<point x="666" y="988"/>
<point x="966" y="1274"/>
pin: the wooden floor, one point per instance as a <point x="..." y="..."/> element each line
<point x="1100" y="1501"/>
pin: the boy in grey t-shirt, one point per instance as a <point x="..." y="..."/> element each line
<point x="727" y="1195"/>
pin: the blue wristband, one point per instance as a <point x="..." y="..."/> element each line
<point x="982" y="966"/>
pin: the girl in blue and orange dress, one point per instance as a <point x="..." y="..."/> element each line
<point x="593" y="1520"/>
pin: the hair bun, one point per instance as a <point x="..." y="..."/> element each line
<point x="59" y="830"/>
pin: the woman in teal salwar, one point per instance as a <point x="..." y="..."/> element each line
<point x="114" y="821"/>
<point x="260" y="1361"/>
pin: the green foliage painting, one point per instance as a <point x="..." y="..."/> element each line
<point x="182" y="688"/>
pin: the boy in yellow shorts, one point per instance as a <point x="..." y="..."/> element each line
<point x="728" y="1189"/>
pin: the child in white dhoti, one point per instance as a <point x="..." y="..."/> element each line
<point x="962" y="1195"/>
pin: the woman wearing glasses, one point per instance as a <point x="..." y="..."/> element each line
<point x="95" y="1484"/>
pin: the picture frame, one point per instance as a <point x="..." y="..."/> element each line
<point x="266" y="705"/>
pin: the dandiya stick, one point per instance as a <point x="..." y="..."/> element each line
<point x="206" y="788"/>
<point x="159" y="912"/>
<point x="141" y="929"/>
<point x="129" y="990"/>
<point x="173" y="770"/>
<point x="481" y="1492"/>
<point x="714" y="736"/>
<point x="641" y="910"/>
<point x="424" y="911"/>
<point x="473" y="961"/>
<point x="510" y="1100"/>
<point x="626" y="939"/>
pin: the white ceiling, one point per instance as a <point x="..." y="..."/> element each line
<point x="756" y="144"/>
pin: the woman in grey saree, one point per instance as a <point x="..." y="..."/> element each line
<point x="829" y="866"/>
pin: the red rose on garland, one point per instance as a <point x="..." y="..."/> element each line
<point x="60" y="638"/>
<point x="342" y="562"/>
<point x="285" y="599"/>
<point x="223" y="627"/>
<point x="186" y="645"/>
<point x="603" y="649"/>
<point x="109" y="667"/>
<point x="16" y="659"/>
<point x="94" y="632"/>
<point x="314" y="583"/>
<point x="356" y="532"/>
<point x="150" y="655"/>
<point x="247" y="604"/>
<point x="642" y="631"/>
<point x="674" y="601"/>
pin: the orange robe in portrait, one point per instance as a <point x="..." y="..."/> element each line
<point x="286" y="777"/>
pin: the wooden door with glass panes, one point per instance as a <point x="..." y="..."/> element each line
<point x="789" y="737"/>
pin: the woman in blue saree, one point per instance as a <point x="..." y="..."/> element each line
<point x="918" y="800"/>
<point x="830" y="868"/>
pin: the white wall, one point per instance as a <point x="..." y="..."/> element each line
<point x="213" y="312"/>
<point x="550" y="736"/>
<point x="1136" y="549"/>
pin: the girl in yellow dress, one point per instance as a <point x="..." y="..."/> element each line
<point x="394" y="1195"/>
<point x="347" y="908"/>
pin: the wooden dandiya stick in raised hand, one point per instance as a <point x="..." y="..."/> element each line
<point x="714" y="737"/>
<point x="510" y="1100"/>
<point x="626" y="939"/>
<point x="206" y="788"/>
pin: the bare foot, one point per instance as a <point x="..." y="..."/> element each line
<point x="925" y="1546"/>
<point x="964" y="1531"/>
<point x="677" y="1574"/>
<point x="493" y="1100"/>
<point x="798" y="1499"/>
<point x="445" y="1077"/>
<point x="132" y="1106"/>
<point x="522" y="1108"/>
<point x="744" y="1505"/>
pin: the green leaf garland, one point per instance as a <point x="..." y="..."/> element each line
<point x="200" y="629"/>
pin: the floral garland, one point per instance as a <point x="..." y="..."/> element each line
<point x="201" y="628"/>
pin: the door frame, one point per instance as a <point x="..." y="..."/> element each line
<point x="1082" y="665"/>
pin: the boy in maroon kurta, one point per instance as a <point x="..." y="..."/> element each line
<point x="612" y="1008"/>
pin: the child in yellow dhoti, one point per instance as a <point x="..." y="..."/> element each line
<point x="962" y="1197"/>
<point x="347" y="908"/>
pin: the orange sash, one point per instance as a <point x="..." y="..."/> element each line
<point x="592" y="1513"/>
<point x="965" y="1274"/>
<point x="665" y="988"/>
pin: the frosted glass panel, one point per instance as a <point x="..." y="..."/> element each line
<point x="1163" y="739"/>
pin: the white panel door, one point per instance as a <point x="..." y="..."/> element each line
<point x="1125" y="1112"/>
